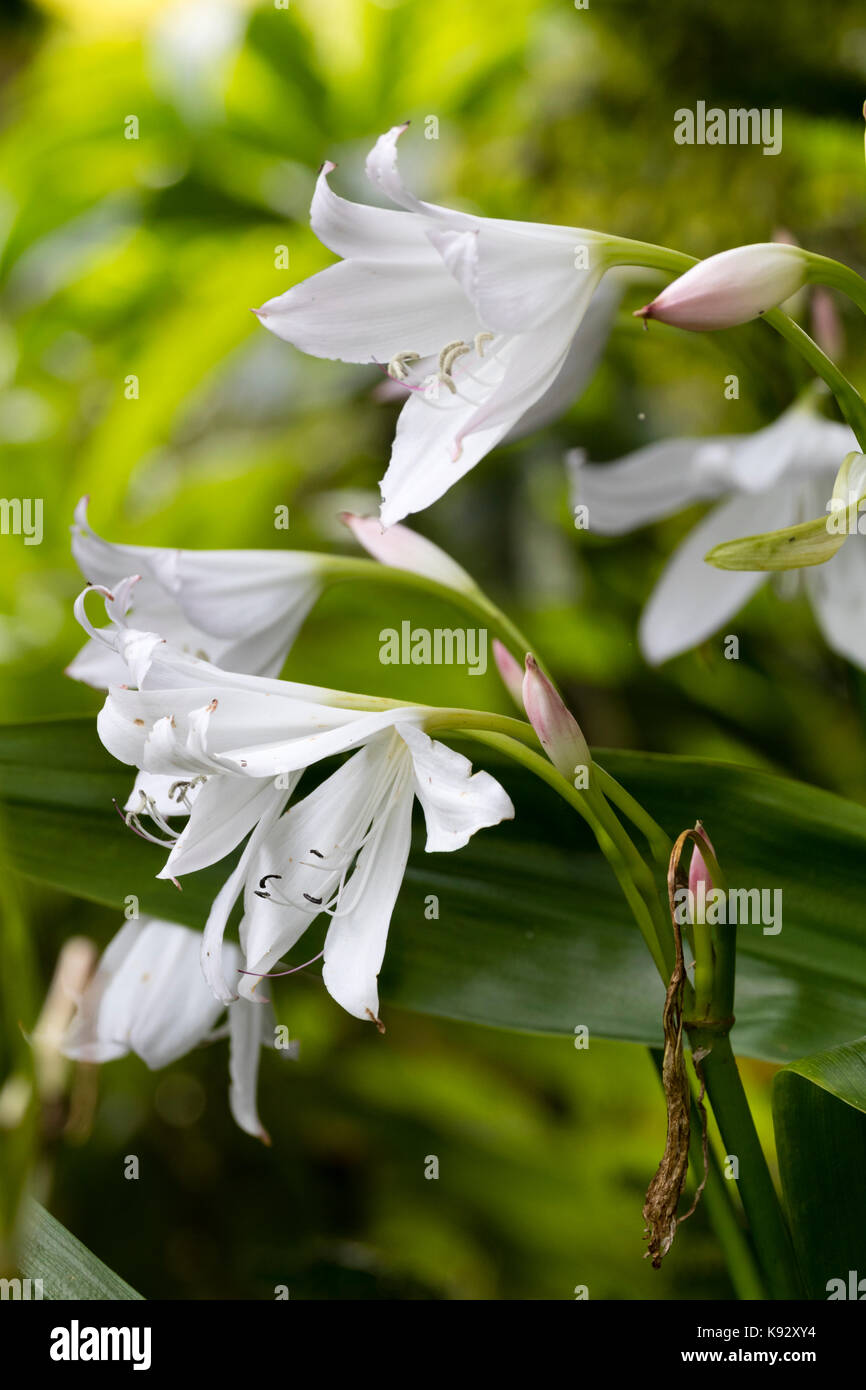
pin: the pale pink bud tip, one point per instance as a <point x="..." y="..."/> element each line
<point x="509" y="671"/>
<point x="731" y="288"/>
<point x="698" y="871"/>
<point x="402" y="548"/>
<point x="558" y="730"/>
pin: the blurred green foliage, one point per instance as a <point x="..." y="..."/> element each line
<point x="140" y="257"/>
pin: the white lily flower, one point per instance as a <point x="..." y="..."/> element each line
<point x="148" y="996"/>
<point x="774" y="478"/>
<point x="343" y="851"/>
<point x="479" y="318"/>
<point x="241" y="609"/>
<point x="242" y="740"/>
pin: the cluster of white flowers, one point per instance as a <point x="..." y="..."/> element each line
<point x="225" y="750"/>
<point x="489" y="328"/>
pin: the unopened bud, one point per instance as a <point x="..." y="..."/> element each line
<point x="558" y="730"/>
<point x="509" y="671"/>
<point x="403" y="549"/>
<point x="731" y="288"/>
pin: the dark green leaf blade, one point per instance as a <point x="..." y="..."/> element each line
<point x="67" y="1269"/>
<point x="819" y="1111"/>
<point x="532" y="933"/>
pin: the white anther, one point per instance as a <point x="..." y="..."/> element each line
<point x="447" y="350"/>
<point x="481" y="339"/>
<point x="447" y="359"/>
<point x="398" y="367"/>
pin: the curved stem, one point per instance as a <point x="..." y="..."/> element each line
<point x="659" y="840"/>
<point x="823" y="270"/>
<point x="342" y="568"/>
<point x="632" y="873"/>
<point x="624" y="251"/>
<point x="754" y="1183"/>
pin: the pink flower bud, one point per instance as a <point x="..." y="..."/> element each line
<point x="559" y="732"/>
<point x="510" y="672"/>
<point x="404" y="549"/>
<point x="731" y="288"/>
<point x="698" y="871"/>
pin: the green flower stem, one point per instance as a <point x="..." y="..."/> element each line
<point x="341" y="568"/>
<point x="632" y="872"/>
<point x="659" y="841"/>
<point x="623" y="251"/>
<point x="445" y="721"/>
<point x="823" y="270"/>
<point x="754" y="1183"/>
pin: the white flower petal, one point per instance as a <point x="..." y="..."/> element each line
<point x="304" y="857"/>
<point x="250" y="1028"/>
<point x="358" y="231"/>
<point x="216" y="958"/>
<point x="403" y="549"/>
<point x="355" y="944"/>
<point x="580" y="361"/>
<point x="653" y="482"/>
<point x="241" y="609"/>
<point x="368" y="311"/>
<point x="266" y="760"/>
<point x="147" y="997"/>
<point x="382" y="171"/>
<point x="456" y="801"/>
<point x="837" y="590"/>
<point x="423" y="466"/>
<point x="693" y="599"/>
<point x="224" y="811"/>
<point x="519" y="279"/>
<point x="799" y="444"/>
<point x="438" y="441"/>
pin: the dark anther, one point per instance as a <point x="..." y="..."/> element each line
<point x="263" y="881"/>
<point x="259" y="894"/>
<point x="317" y="854"/>
<point x="317" y="901"/>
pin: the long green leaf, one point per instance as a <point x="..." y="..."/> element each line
<point x="67" y="1269"/>
<point x="819" y="1110"/>
<point x="531" y="933"/>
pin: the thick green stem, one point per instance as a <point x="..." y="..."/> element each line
<point x="623" y="251"/>
<point x="755" y="1185"/>
<point x="739" y="1256"/>
<point x="823" y="270"/>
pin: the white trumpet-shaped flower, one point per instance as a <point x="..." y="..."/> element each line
<point x="242" y="742"/>
<point x="343" y="851"/>
<point x="148" y="996"/>
<point x="774" y="478"/>
<point x="241" y="609"/>
<point x="481" y="319"/>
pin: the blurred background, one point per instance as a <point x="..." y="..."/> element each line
<point x="156" y="166"/>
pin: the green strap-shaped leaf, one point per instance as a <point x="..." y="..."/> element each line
<point x="66" y="1268"/>
<point x="819" y="1108"/>
<point x="532" y="932"/>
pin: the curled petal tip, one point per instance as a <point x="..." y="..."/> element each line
<point x="259" y="313"/>
<point x="645" y="313"/>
